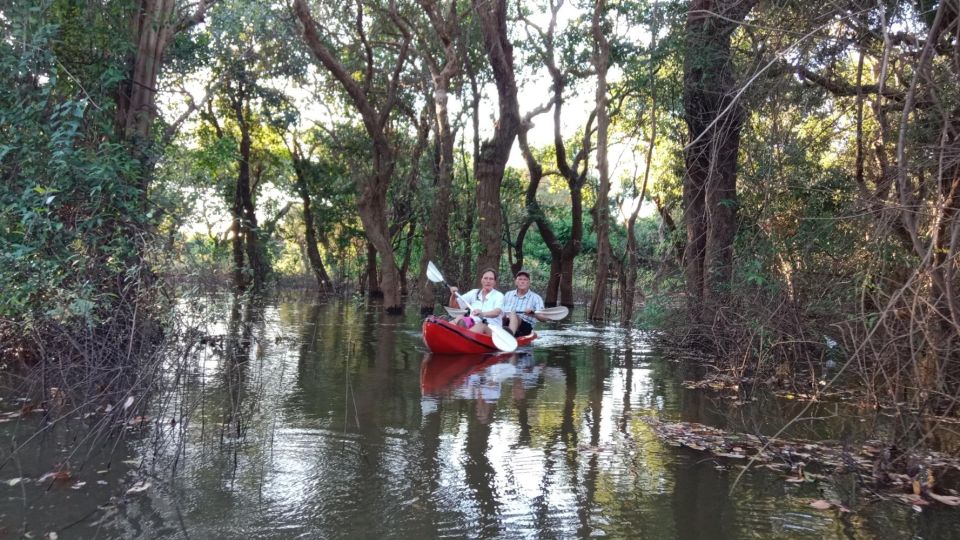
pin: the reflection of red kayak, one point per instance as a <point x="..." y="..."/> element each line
<point x="444" y="337"/>
<point x="440" y="373"/>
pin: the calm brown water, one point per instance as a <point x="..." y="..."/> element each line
<point x="339" y="425"/>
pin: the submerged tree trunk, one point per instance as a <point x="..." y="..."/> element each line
<point x="407" y="252"/>
<point x="372" y="199"/>
<point x="494" y="152"/>
<point x="714" y="121"/>
<point x="324" y="284"/>
<point x="467" y="216"/>
<point x="249" y="229"/>
<point x="436" y="234"/>
<point x="245" y="245"/>
<point x="631" y="261"/>
<point x="236" y="245"/>
<point x="372" y="278"/>
<point x="601" y="223"/>
<point x="559" y="288"/>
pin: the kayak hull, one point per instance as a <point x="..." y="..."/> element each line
<point x="444" y="337"/>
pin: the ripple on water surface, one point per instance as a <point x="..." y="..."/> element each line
<point x="349" y="433"/>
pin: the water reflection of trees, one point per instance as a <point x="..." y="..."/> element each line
<point x="559" y="445"/>
<point x="236" y="364"/>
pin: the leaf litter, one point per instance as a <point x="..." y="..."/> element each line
<point x="909" y="479"/>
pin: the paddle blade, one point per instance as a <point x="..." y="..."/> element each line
<point x="502" y="339"/>
<point x="433" y="273"/>
<point x="453" y="312"/>
<point x="554" y="313"/>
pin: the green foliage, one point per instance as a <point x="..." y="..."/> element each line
<point x="654" y="314"/>
<point x="69" y="192"/>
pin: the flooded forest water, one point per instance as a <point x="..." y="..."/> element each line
<point x="330" y="420"/>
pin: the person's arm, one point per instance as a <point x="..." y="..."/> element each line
<point x="537" y="306"/>
<point x="496" y="309"/>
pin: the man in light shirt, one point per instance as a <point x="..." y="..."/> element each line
<point x="520" y="307"/>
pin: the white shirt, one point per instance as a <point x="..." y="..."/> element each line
<point x="493" y="300"/>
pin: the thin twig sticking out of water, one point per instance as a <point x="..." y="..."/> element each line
<point x="350" y="397"/>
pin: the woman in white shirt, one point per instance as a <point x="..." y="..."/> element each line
<point x="485" y="303"/>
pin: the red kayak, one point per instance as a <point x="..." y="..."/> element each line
<point x="444" y="337"/>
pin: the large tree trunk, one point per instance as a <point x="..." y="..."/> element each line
<point x="552" y="292"/>
<point x="152" y="29"/>
<point x="324" y="284"/>
<point x="372" y="208"/>
<point x="572" y="247"/>
<point x="466" y="218"/>
<point x="372" y="199"/>
<point x="601" y="215"/>
<point x="436" y="234"/>
<point x="714" y="121"/>
<point x="244" y="201"/>
<point x="492" y="16"/>
<point x="371" y="276"/>
<point x="631" y="258"/>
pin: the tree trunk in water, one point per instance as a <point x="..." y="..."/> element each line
<point x="372" y="207"/>
<point x="372" y="199"/>
<point x="566" y="279"/>
<point x="572" y="247"/>
<point x="372" y="279"/>
<point x="244" y="201"/>
<point x="559" y="288"/>
<point x="490" y="224"/>
<point x="492" y="16"/>
<point x="714" y="122"/>
<point x="324" y="285"/>
<point x="629" y="274"/>
<point x="436" y="237"/>
<point x="552" y="292"/>
<point x="602" y="213"/>
<point x="407" y="252"/>
<point x="241" y="224"/>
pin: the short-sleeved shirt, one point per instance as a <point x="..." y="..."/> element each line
<point x="512" y="302"/>
<point x="494" y="300"/>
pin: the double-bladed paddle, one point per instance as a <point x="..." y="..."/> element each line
<point x="501" y="338"/>
<point x="551" y="313"/>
